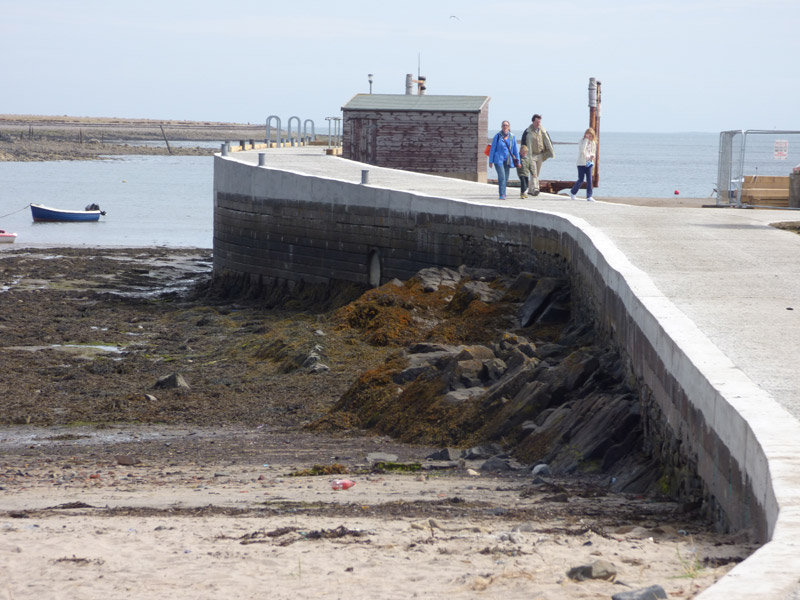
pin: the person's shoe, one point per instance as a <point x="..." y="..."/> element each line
<point x="523" y="195"/>
<point x="535" y="192"/>
<point x="590" y="199"/>
<point x="571" y="195"/>
<point x="502" y="197"/>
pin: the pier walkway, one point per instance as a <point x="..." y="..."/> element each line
<point x="727" y="282"/>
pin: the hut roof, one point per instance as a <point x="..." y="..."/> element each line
<point x="418" y="103"/>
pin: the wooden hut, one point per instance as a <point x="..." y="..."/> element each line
<point x="441" y="135"/>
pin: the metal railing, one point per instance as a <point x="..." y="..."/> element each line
<point x="753" y="153"/>
<point x="334" y="139"/>
<point x="278" y="140"/>
<point x="313" y="136"/>
<point x="291" y="140"/>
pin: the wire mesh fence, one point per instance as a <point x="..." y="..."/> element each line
<point x="755" y="168"/>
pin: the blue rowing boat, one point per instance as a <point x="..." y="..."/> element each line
<point x="43" y="213"/>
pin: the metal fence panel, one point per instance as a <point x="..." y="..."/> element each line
<point x="752" y="153"/>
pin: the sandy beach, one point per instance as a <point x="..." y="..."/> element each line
<point x="203" y="524"/>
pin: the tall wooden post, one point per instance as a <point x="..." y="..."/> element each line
<point x="594" y="122"/>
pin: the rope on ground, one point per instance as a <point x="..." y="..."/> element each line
<point x="15" y="212"/>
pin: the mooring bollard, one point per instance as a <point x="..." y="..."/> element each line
<point x="262" y="159"/>
<point x="365" y="176"/>
<point x="224" y="149"/>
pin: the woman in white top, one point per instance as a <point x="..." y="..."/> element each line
<point x="586" y="154"/>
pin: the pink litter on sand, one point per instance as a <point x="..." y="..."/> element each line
<point x="342" y="484"/>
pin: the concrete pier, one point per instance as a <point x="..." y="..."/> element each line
<point x="705" y="302"/>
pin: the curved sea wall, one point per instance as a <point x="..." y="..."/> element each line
<point x="279" y="226"/>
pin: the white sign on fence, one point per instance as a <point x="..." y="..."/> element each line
<point x="781" y="149"/>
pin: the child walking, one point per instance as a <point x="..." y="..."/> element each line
<point x="525" y="171"/>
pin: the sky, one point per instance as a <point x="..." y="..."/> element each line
<point x="665" y="66"/>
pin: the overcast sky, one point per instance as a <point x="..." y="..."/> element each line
<point x="665" y="65"/>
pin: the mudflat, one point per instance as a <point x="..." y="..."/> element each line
<point x="113" y="482"/>
<point x="36" y="137"/>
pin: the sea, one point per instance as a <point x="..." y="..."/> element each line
<point x="168" y="200"/>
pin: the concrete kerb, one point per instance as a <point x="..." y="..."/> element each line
<point x="761" y="436"/>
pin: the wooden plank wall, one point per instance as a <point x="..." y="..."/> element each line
<point x="483" y="139"/>
<point x="765" y="190"/>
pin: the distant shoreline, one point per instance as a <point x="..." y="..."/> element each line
<point x="44" y="138"/>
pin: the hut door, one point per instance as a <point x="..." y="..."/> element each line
<point x="364" y="143"/>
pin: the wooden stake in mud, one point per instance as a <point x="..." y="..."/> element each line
<point x="165" y="139"/>
<point x="80" y="131"/>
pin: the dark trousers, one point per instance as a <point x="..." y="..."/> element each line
<point x="587" y="173"/>
<point x="523" y="184"/>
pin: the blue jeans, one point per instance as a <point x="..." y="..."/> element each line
<point x="502" y="176"/>
<point x="587" y="173"/>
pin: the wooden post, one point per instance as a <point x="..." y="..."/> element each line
<point x="165" y="139"/>
<point x="80" y="131"/>
<point x="594" y="120"/>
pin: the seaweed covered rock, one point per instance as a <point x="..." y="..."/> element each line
<point x="436" y="306"/>
<point x="465" y="377"/>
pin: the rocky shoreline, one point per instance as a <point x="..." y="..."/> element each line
<point x="558" y="399"/>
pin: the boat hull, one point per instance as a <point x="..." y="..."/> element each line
<point x="7" y="238"/>
<point x="44" y="214"/>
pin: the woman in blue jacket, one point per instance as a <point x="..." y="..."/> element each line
<point x="502" y="153"/>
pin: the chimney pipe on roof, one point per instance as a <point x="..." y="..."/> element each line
<point x="409" y="84"/>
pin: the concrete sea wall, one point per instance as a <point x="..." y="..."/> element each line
<point x="272" y="225"/>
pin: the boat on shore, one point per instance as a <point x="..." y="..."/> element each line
<point x="7" y="238"/>
<point x="43" y="213"/>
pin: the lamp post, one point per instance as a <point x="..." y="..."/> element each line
<point x="369" y="78"/>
